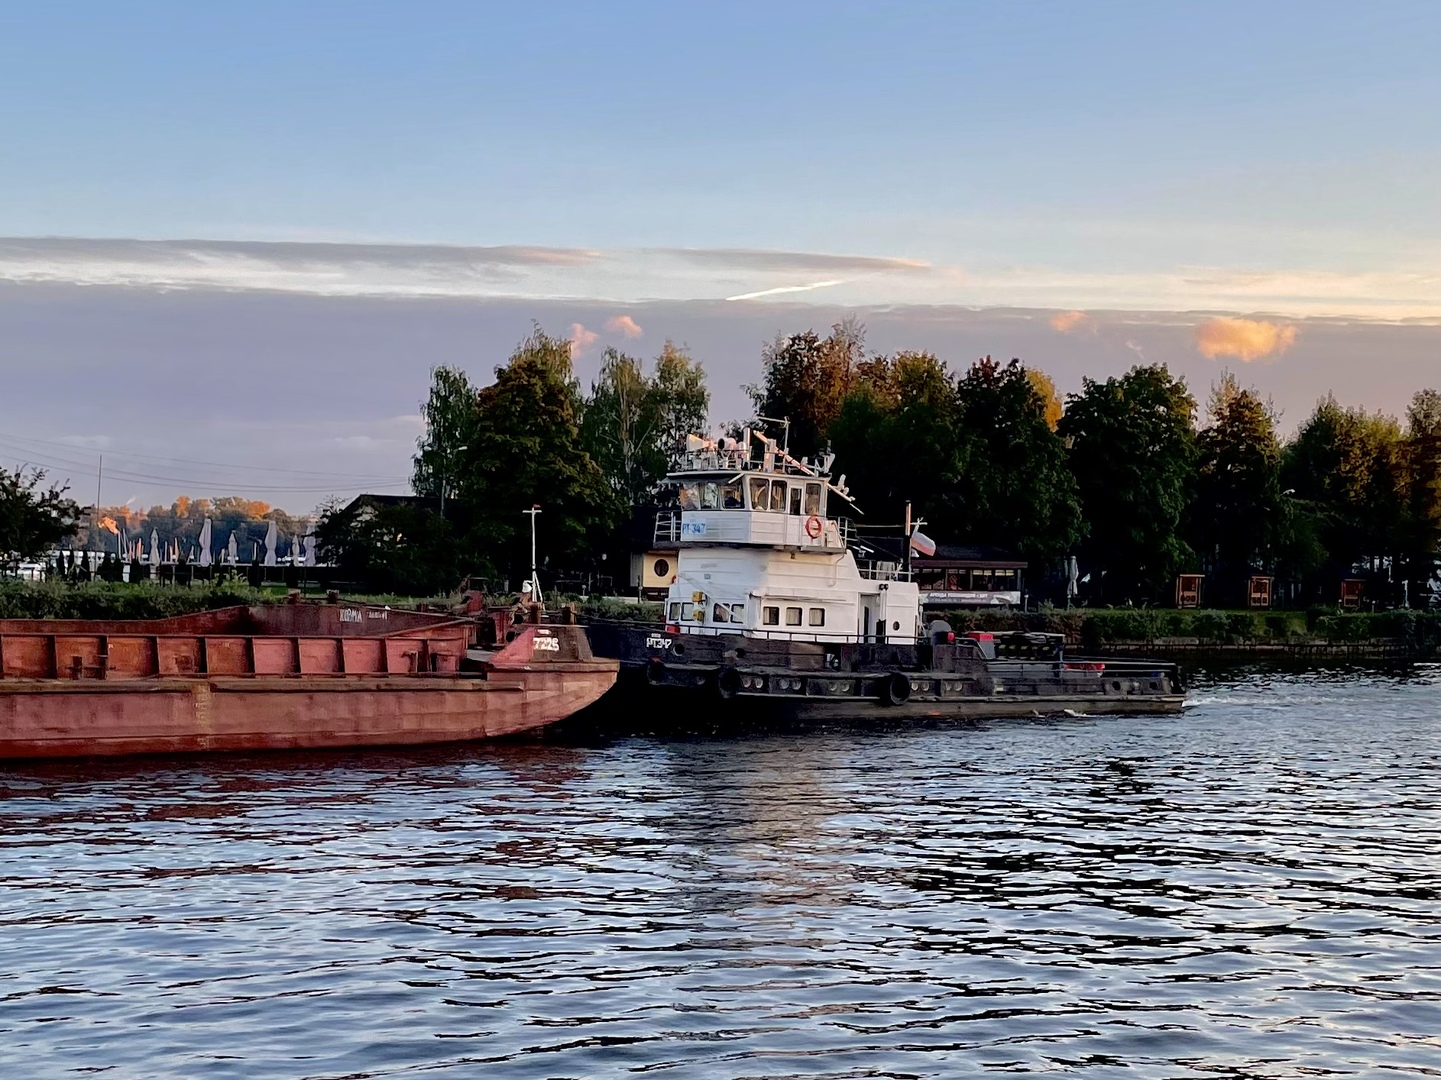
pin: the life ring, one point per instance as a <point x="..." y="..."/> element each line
<point x="896" y="690"/>
<point x="814" y="527"/>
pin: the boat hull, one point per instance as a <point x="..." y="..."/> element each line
<point x="231" y="681"/>
<point x="167" y="716"/>
<point x="765" y="680"/>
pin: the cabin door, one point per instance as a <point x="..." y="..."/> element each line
<point x="868" y="606"/>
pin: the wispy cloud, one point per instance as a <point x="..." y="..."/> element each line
<point x="785" y="289"/>
<point x="1244" y="339"/>
<point x="624" y="325"/>
<point x="639" y="275"/>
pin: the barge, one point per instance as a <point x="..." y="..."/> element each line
<point x="781" y="608"/>
<point x="290" y="676"/>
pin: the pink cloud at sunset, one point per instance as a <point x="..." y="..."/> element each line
<point x="1244" y="339"/>
<point x="1067" y="322"/>
<point x="624" y="325"/>
<point x="581" y="339"/>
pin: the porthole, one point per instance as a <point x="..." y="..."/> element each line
<point x="662" y="568"/>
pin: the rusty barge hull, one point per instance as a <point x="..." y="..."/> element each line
<point x="226" y="681"/>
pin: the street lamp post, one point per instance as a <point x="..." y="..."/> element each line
<point x="534" y="577"/>
<point x="445" y="475"/>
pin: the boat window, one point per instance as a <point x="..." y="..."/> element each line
<point x="760" y="493"/>
<point x="771" y="616"/>
<point x="778" y="496"/>
<point x="674" y="612"/>
<point x="689" y="495"/>
<point x="738" y="613"/>
<point x="796" y="499"/>
<point x="813" y="498"/>
<point x="818" y="616"/>
<point x="687" y="611"/>
<point x="731" y="496"/>
<point x="709" y="495"/>
<point x="719" y="614"/>
<point x="793" y="616"/>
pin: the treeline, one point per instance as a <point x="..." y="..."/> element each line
<point x="1131" y="476"/>
<point x="531" y="437"/>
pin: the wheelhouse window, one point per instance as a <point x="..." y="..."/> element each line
<point x="720" y="613"/>
<point x="689" y="496"/>
<point x="813" y="498"/>
<point x="796" y="499"/>
<point x="674" y="615"/>
<point x="738" y="613"/>
<point x="793" y="616"/>
<point x="709" y="495"/>
<point x="771" y="616"/>
<point x="817" y="616"/>
<point x="732" y="497"/>
<point x="687" y="611"/>
<point x="760" y="490"/>
<point x="778" y="496"/>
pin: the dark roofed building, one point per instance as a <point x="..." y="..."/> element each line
<point x="960" y="575"/>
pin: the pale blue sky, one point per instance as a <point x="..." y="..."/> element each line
<point x="1120" y="139"/>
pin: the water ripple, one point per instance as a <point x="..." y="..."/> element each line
<point x="1248" y="890"/>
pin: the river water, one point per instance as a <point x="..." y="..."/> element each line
<point x="1250" y="889"/>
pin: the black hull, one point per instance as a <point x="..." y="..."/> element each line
<point x="707" y="682"/>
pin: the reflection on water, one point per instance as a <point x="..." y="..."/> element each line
<point x="1250" y="889"/>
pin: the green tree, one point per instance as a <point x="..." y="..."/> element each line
<point x="1132" y="450"/>
<point x="1238" y="511"/>
<point x="896" y="438"/>
<point x="1342" y="475"/>
<point x="33" y="517"/>
<point x="449" y="416"/>
<point x="1422" y="486"/>
<point x="633" y="422"/>
<point x="805" y="379"/>
<point x="1016" y="489"/>
<point x="524" y="450"/>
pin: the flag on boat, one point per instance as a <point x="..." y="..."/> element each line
<point x="922" y="544"/>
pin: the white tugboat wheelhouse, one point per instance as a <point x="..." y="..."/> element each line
<point x="760" y="554"/>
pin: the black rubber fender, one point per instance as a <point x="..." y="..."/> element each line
<point x="727" y="683"/>
<point x="895" y="688"/>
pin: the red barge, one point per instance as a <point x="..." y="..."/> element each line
<point x="283" y="677"/>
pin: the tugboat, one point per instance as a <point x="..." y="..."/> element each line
<point x="781" y="608"/>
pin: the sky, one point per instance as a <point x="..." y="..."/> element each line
<point x="242" y="234"/>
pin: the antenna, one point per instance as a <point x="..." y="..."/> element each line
<point x="534" y="578"/>
<point x="785" y="424"/>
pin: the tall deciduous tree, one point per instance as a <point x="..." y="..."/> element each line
<point x="1132" y="451"/>
<point x="1238" y="511"/>
<point x="449" y="416"/>
<point x="634" y="421"/>
<point x="805" y="379"/>
<point x="1342" y="475"/>
<point x="33" y="517"/>
<point x="525" y="449"/>
<point x="1016" y="489"/>
<point x="896" y="438"/>
<point x="1422" y="464"/>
